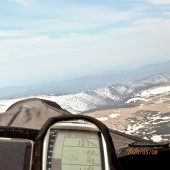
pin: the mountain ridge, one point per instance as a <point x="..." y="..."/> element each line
<point x="114" y="95"/>
<point x="76" y="85"/>
<point x="147" y="117"/>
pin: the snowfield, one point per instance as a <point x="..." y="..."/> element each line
<point x="156" y="91"/>
<point x="77" y="103"/>
<point x="137" y="99"/>
<point x="146" y="95"/>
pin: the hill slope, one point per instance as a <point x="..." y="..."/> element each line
<point x="148" y="117"/>
<point x="104" y="97"/>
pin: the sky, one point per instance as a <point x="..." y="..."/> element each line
<point x="64" y="39"/>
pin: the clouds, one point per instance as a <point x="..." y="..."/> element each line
<point x="40" y="18"/>
<point x="166" y="14"/>
<point x="141" y="41"/>
<point x="159" y="2"/>
<point x="62" y="39"/>
<point x="81" y="18"/>
<point x="24" y="2"/>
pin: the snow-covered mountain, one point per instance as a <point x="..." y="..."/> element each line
<point x="147" y="117"/>
<point x="145" y="111"/>
<point x="150" y="81"/>
<point x="76" y="103"/>
<point x="88" y="82"/>
<point x="94" y="99"/>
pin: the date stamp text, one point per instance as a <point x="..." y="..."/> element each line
<point x="143" y="152"/>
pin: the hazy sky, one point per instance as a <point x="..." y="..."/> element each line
<point x="69" y="38"/>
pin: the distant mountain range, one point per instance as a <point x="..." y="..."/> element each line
<point x="111" y="96"/>
<point x="108" y="96"/>
<point x="92" y="82"/>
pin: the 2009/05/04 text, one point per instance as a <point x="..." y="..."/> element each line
<point x="143" y="152"/>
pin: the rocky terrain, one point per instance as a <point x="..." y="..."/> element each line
<point x="148" y="116"/>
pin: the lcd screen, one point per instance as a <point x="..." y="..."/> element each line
<point x="15" y="154"/>
<point x="75" y="150"/>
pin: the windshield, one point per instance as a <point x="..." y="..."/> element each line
<point x="104" y="58"/>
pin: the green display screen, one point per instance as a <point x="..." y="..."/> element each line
<point x="76" y="150"/>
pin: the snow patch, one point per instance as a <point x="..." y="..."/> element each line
<point x="156" y="91"/>
<point x="133" y="128"/>
<point x="156" y="138"/>
<point x="158" y="117"/>
<point x="137" y="99"/>
<point x="102" y="118"/>
<point x="114" y="115"/>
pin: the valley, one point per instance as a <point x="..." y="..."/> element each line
<point x="149" y="117"/>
